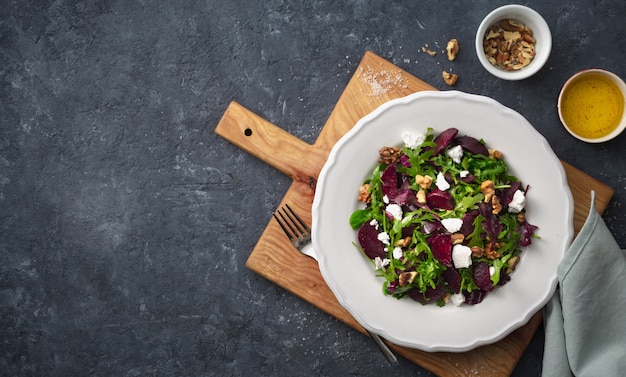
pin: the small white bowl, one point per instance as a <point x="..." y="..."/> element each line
<point x="528" y="17"/>
<point x="588" y="103"/>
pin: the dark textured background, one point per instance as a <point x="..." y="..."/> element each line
<point x="125" y="222"/>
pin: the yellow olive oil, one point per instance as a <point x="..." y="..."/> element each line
<point x="592" y="106"/>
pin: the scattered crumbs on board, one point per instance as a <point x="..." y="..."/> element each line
<point x="428" y="51"/>
<point x="383" y="81"/>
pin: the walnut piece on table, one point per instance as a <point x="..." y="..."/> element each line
<point x="452" y="48"/>
<point x="428" y="51"/>
<point x="449" y="78"/>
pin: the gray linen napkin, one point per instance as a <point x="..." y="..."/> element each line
<point x="585" y="322"/>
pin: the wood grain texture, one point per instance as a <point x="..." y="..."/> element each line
<point x="581" y="185"/>
<point x="271" y="144"/>
<point x="375" y="82"/>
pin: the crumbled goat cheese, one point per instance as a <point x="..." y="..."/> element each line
<point x="457" y="299"/>
<point x="518" y="202"/>
<point x="492" y="270"/>
<point x="412" y="140"/>
<point x="386" y="199"/>
<point x="381" y="263"/>
<point x="384" y="237"/>
<point x="461" y="256"/>
<point x="441" y="182"/>
<point x="456" y="153"/>
<point x="463" y="173"/>
<point x="374" y="223"/>
<point x="395" y="211"/>
<point x="452" y="225"/>
<point x="397" y="252"/>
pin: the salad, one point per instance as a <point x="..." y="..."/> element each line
<point x="444" y="221"/>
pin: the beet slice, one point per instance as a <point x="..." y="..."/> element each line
<point x="453" y="278"/>
<point x="431" y="294"/>
<point x="506" y="195"/>
<point x="468" y="222"/>
<point x="504" y="277"/>
<point x="441" y="246"/>
<point x="392" y="286"/>
<point x="491" y="225"/>
<point x="390" y="181"/>
<point x="444" y="139"/>
<point x="438" y="199"/>
<point x="371" y="245"/>
<point x="485" y="209"/>
<point x="482" y="277"/>
<point x="526" y="230"/>
<point x="470" y="178"/>
<point x="472" y="145"/>
<point x="405" y="161"/>
<point x="474" y="297"/>
<point x="405" y="197"/>
<point x="408" y="231"/>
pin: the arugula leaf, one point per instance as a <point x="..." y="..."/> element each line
<point x="360" y="217"/>
<point x="498" y="264"/>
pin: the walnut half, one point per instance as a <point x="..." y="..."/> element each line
<point x="389" y="155"/>
<point x="452" y="48"/>
<point x="488" y="189"/>
<point x="365" y="194"/>
<point x="406" y="278"/>
<point x="512" y="263"/>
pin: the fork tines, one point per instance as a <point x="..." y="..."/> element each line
<point x="294" y="227"/>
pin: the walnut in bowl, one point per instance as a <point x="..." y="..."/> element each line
<point x="513" y="42"/>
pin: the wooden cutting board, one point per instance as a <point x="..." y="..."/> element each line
<point x="375" y="82"/>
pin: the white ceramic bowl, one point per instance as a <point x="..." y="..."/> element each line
<point x="620" y="85"/>
<point x="351" y="277"/>
<point x="528" y="17"/>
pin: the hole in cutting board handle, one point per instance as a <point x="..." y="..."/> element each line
<point x="247" y="132"/>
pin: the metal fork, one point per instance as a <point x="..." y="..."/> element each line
<point x="300" y="236"/>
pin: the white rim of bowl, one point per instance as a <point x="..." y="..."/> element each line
<point x="622" y="86"/>
<point x="522" y="14"/>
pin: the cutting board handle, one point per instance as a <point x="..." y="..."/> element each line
<point x="271" y="144"/>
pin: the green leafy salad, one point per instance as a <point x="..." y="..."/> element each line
<point x="443" y="221"/>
